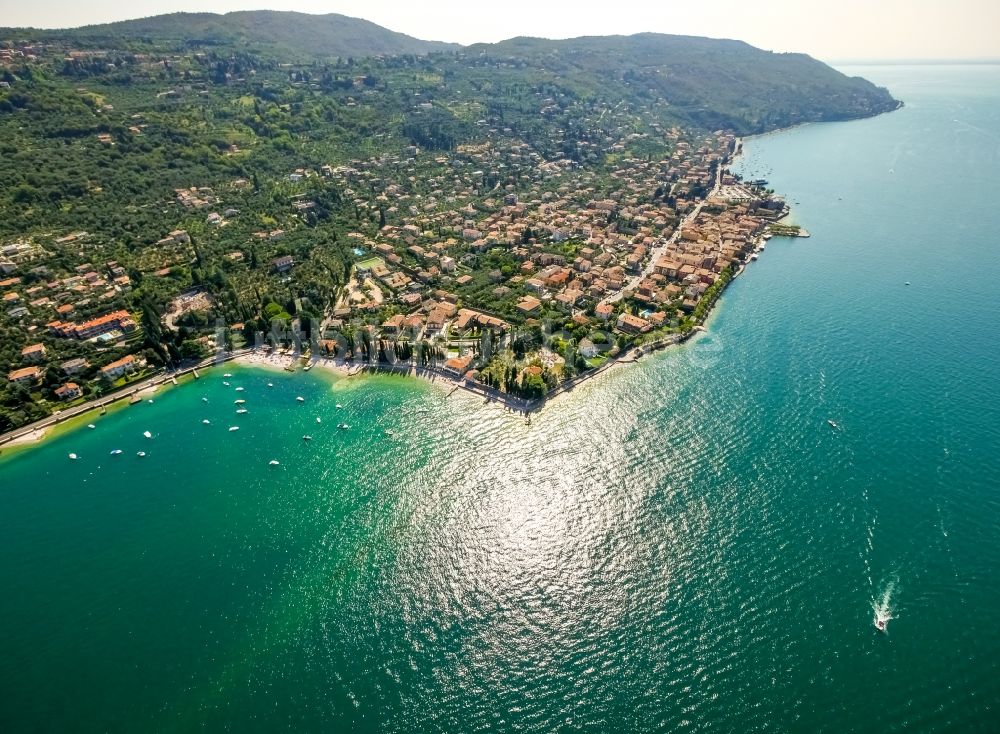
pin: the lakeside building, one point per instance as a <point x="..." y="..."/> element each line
<point x="116" y="369"/>
<point x="69" y="391"/>
<point x="116" y="321"/>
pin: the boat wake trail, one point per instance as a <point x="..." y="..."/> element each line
<point x="882" y="606"/>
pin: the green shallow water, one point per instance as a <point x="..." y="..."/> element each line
<point x="681" y="545"/>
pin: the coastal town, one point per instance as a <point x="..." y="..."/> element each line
<point x="505" y="264"/>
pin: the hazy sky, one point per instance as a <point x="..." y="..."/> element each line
<point x="833" y="30"/>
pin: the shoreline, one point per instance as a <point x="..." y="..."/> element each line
<point x="71" y="418"/>
<point x="58" y="423"/>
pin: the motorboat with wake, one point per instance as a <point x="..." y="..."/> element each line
<point x="882" y="617"/>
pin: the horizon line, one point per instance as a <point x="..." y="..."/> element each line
<point x="850" y="61"/>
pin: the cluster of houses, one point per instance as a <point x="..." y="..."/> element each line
<point x="576" y="241"/>
<point x="32" y="375"/>
<point x="78" y="306"/>
<point x="30" y="300"/>
<point x="483" y="237"/>
<point x="196" y="197"/>
<point x="494" y="235"/>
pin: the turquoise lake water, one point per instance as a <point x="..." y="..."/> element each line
<point x="680" y="545"/>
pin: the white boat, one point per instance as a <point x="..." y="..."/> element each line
<point x="307" y="438"/>
<point x="881" y="621"/>
<point x="91" y="425"/>
<point x="273" y="462"/>
<point x="74" y="457"/>
<point x="241" y="411"/>
<point x="116" y="452"/>
<point x="225" y="383"/>
<point x="753" y="256"/>
<point x="832" y="423"/>
<point x="318" y="419"/>
<point x="204" y="400"/>
<point x="234" y="428"/>
<point x="239" y="389"/>
<point x="339" y="406"/>
<point x="227" y="375"/>
<point x="270" y="384"/>
<point x="206" y="421"/>
<point x="300" y="399"/>
<point x="343" y="426"/>
<point x="239" y="402"/>
<point x="140" y="454"/>
<point x="147" y="434"/>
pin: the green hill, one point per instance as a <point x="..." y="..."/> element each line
<point x="708" y="83"/>
<point x="297" y="34"/>
<point x="711" y="83"/>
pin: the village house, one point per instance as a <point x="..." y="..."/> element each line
<point x="459" y="365"/>
<point x="393" y="324"/>
<point x="33" y="354"/>
<point x="69" y="391"/>
<point x="529" y="305"/>
<point x="588" y="349"/>
<point x="74" y="366"/>
<point x="116" y="369"/>
<point x="25" y="376"/>
<point x="535" y="285"/>
<point x="282" y="264"/>
<point x="632" y="324"/>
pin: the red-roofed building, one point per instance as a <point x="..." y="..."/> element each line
<point x="69" y="391"/>
<point x="116" y="369"/>
<point x="25" y="376"/>
<point x="34" y="353"/>
<point x="459" y="365"/>
<point x="632" y="324"/>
